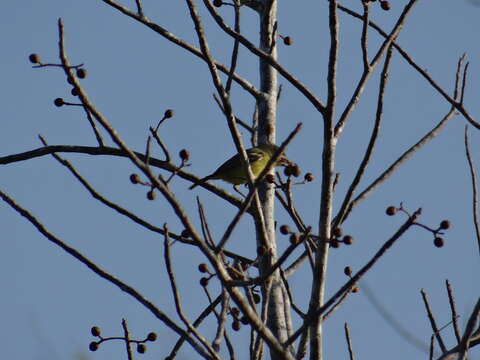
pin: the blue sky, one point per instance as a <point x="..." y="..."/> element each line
<point x="50" y="300"/>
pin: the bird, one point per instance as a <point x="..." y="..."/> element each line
<point x="233" y="172"/>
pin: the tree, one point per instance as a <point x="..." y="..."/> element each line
<point x="230" y="274"/>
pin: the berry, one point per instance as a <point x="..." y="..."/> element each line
<point x="204" y="281"/>
<point x="391" y="210"/>
<point x="184" y="154"/>
<point x="334" y="243"/>
<point x="141" y="348"/>
<point x="348" y="240"/>
<point x="285" y="229"/>
<point x="347" y="271"/>
<point x="309" y="177"/>
<point x="134" y="178"/>
<point x="256" y="298"/>
<point x="385" y="5"/>
<point x="287" y="40"/>
<point x="445" y="224"/>
<point x="152" y="336"/>
<point x="244" y="320"/>
<point x="217" y="3"/>
<point x="34" y="58"/>
<point x="203" y="268"/>
<point x="95" y="330"/>
<point x="93" y="346"/>
<point x="75" y="91"/>
<point x="235" y="311"/>
<point x="168" y="113"/>
<point x="438" y="242"/>
<point x="236" y="325"/>
<point x="151" y="195"/>
<point x="59" y="102"/>
<point x="81" y="73"/>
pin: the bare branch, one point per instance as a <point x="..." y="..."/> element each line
<point x="364" y="39"/>
<point x="433" y="323"/>
<point x="176" y="296"/>
<point x="126" y="334"/>
<point x="458" y="106"/>
<point x="473" y="177"/>
<point x="396" y="164"/>
<point x="373" y="139"/>
<point x="105" y="275"/>
<point x="236" y="44"/>
<point x="366" y="74"/>
<point x="182" y="43"/>
<point x="349" y="343"/>
<point x="267" y="57"/>
<point x="354" y="279"/>
<point x="453" y="310"/>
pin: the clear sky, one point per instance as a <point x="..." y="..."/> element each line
<point x="50" y="300"/>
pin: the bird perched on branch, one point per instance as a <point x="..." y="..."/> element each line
<point x="232" y="170"/>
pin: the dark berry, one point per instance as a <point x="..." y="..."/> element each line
<point x="285" y="229"/>
<point x="95" y="330"/>
<point x="391" y="210"/>
<point x="34" y="58"/>
<point x="59" y="102"/>
<point x="81" y="73"/>
<point x="152" y="336"/>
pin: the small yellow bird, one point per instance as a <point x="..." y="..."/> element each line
<point x="232" y="170"/>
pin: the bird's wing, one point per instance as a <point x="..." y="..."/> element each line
<point x="253" y="155"/>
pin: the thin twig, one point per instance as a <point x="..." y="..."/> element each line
<point x="372" y="142"/>
<point x="290" y="297"/>
<point x="433" y="323"/>
<point x="349" y="343"/>
<point x="203" y="315"/>
<point x="366" y="74"/>
<point x="239" y="121"/>
<point x="105" y="275"/>
<point x="204" y="223"/>
<point x="161" y="144"/>
<point x="236" y="43"/>
<point x="354" y="279"/>
<point x="250" y="88"/>
<point x="431" y="347"/>
<point x="93" y="124"/>
<point x="176" y="296"/>
<point x="421" y="70"/>
<point x="364" y="38"/>
<point x="389" y="316"/>
<point x="110" y="151"/>
<point x="126" y="335"/>
<point x="473" y="178"/>
<point x="396" y="164"/>
<point x="469" y="330"/>
<point x="139" y="8"/>
<point x="95" y="194"/>
<point x="267" y="57"/>
<point x="453" y="310"/>
<point x="221" y="320"/>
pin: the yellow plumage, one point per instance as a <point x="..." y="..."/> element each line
<point x="232" y="170"/>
